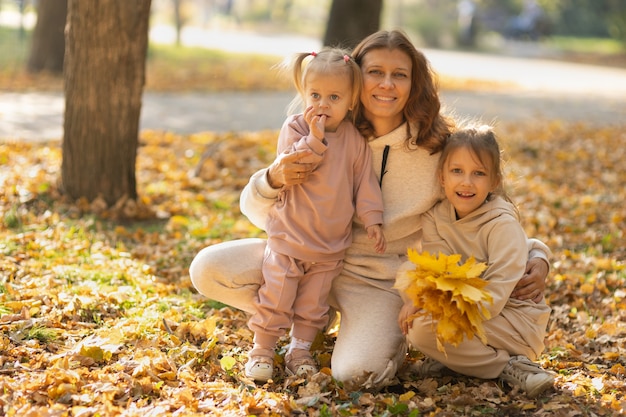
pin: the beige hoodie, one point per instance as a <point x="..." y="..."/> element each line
<point x="492" y="234"/>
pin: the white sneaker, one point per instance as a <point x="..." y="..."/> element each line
<point x="529" y="376"/>
<point x="260" y="365"/>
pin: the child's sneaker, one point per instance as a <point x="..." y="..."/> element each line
<point x="300" y="362"/>
<point x="260" y="365"/>
<point x="530" y="377"/>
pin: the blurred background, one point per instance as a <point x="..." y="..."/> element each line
<point x="584" y="30"/>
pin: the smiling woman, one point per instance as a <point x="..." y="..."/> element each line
<point x="386" y="88"/>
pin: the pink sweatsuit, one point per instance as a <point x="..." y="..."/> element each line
<point x="310" y="227"/>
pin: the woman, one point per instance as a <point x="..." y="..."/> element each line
<point x="401" y="119"/>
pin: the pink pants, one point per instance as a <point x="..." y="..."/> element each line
<point x="294" y="293"/>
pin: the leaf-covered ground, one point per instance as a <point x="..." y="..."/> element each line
<point x="98" y="316"/>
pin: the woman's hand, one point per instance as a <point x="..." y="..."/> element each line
<point x="533" y="284"/>
<point x="287" y="170"/>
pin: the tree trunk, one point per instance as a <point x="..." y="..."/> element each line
<point x="352" y="20"/>
<point x="178" y="20"/>
<point x="107" y="41"/>
<point x="48" y="44"/>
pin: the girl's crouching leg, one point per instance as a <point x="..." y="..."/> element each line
<point x="471" y="357"/>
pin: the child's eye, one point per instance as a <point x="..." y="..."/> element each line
<point x="334" y="97"/>
<point x="315" y="95"/>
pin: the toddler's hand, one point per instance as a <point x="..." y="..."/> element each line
<point x="317" y="124"/>
<point x="376" y="232"/>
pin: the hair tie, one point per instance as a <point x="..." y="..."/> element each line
<point x="346" y="58"/>
<point x="314" y="54"/>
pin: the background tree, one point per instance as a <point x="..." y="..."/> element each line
<point x="106" y="47"/>
<point x="180" y="19"/>
<point x="48" y="44"/>
<point x="350" y="21"/>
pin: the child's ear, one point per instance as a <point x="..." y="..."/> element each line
<point x="441" y="181"/>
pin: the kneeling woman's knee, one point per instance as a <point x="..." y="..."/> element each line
<point x="365" y="372"/>
<point x="199" y="266"/>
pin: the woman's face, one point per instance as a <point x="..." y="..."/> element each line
<point x="386" y="86"/>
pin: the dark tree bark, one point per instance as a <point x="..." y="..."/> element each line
<point x="179" y="21"/>
<point x="107" y="41"/>
<point x="352" y="20"/>
<point x="48" y="44"/>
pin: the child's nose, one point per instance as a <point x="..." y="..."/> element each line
<point x="467" y="179"/>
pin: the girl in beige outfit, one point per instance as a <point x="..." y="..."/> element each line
<point x="405" y="130"/>
<point x="477" y="219"/>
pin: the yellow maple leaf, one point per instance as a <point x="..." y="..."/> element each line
<point x="450" y="292"/>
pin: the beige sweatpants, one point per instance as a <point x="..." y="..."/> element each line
<point x="473" y="358"/>
<point x="369" y="347"/>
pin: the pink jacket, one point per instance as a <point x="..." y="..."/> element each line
<point x="312" y="221"/>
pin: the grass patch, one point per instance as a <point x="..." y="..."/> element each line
<point x="586" y="45"/>
<point x="43" y="334"/>
<point x="172" y="68"/>
<point x="15" y="46"/>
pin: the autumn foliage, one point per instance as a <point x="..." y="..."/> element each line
<point x="451" y="294"/>
<point x="98" y="316"/>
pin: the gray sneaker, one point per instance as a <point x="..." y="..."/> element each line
<point x="429" y="368"/>
<point x="529" y="376"/>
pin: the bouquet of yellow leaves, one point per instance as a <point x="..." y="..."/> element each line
<point x="451" y="293"/>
